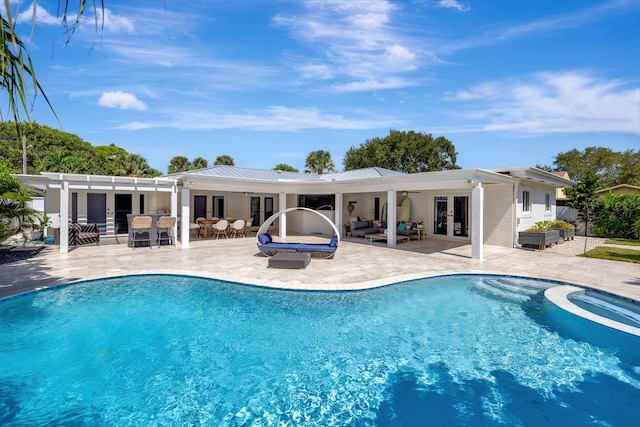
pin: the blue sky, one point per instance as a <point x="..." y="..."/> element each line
<point x="267" y="82"/>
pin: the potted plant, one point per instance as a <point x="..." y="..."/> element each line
<point x="567" y="230"/>
<point x="540" y="235"/>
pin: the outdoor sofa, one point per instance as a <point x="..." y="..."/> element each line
<point x="83" y="234"/>
<point x="367" y="226"/>
<point x="320" y="250"/>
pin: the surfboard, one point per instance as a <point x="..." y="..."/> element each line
<point x="405" y="212"/>
<point x="383" y="215"/>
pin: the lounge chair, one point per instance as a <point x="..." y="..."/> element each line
<point x="83" y="234"/>
<point x="320" y="250"/>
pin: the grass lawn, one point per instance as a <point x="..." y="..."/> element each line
<point x="614" y="254"/>
<point x="629" y="242"/>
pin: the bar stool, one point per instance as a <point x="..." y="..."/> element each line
<point x="165" y="227"/>
<point x="141" y="230"/>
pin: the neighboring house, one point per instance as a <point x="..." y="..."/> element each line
<point x="561" y="195"/>
<point x="475" y="206"/>
<point x="620" y="189"/>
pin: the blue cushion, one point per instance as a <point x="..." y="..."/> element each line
<point x="314" y="247"/>
<point x="282" y="246"/>
<point x="265" y="238"/>
<point x="334" y="241"/>
<point x="401" y="226"/>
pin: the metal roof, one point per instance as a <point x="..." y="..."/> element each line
<point x="276" y="175"/>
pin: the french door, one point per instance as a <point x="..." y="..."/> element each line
<point x="97" y="210"/>
<point x="451" y="216"/>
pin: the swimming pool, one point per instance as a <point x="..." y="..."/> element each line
<point x="167" y="350"/>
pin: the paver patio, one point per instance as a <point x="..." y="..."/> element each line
<point x="357" y="265"/>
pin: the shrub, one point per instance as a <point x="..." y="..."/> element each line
<point x="617" y="216"/>
<point x="637" y="229"/>
<point x="542" y="226"/>
<point x="559" y="223"/>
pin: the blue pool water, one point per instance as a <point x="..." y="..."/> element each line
<point x="173" y="350"/>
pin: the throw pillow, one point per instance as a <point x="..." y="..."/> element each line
<point x="265" y="238"/>
<point x="401" y="226"/>
<point x="377" y="223"/>
<point x="408" y="226"/>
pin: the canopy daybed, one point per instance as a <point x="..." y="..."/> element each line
<point x="320" y="250"/>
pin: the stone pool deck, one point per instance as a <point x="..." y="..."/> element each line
<point x="357" y="265"/>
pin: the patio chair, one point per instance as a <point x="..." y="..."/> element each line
<point x="238" y="228"/>
<point x="247" y="227"/>
<point x="140" y="230"/>
<point x="220" y="228"/>
<point x="165" y="227"/>
<point x="201" y="226"/>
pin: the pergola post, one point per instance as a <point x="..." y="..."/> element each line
<point x="391" y="218"/>
<point x="64" y="217"/>
<point x="282" y="224"/>
<point x="477" y="221"/>
<point x="337" y="212"/>
<point x="185" y="231"/>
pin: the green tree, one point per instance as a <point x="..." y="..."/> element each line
<point x="223" y="160"/>
<point x="403" y="151"/>
<point x="199" y="163"/>
<point x="612" y="167"/>
<point x="285" y="167"/>
<point x="134" y="165"/>
<point x="179" y="164"/>
<point x="583" y="197"/>
<point x="319" y="162"/>
<point x="616" y="215"/>
<point x="13" y="204"/>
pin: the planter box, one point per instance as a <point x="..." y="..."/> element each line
<point x="34" y="235"/>
<point x="538" y="239"/>
<point x="567" y="234"/>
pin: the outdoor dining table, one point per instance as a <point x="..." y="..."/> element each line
<point x="207" y="222"/>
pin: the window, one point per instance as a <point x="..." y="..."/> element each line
<point x="547" y="202"/>
<point x="526" y="202"/>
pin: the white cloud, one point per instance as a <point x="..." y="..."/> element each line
<point x="113" y="22"/>
<point x="121" y="100"/>
<point x="556" y="102"/>
<point x="454" y="4"/>
<point x="42" y="16"/>
<point x="275" y="118"/>
<point x="356" y="40"/>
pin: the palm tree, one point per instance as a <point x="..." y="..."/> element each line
<point x="284" y="167"/>
<point x="57" y="160"/>
<point x="224" y="160"/>
<point x="319" y="161"/>
<point x="18" y="74"/>
<point x="13" y="204"/>
<point x="179" y="164"/>
<point x="199" y="163"/>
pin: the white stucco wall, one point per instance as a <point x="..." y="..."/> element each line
<point x="498" y="215"/>
<point x="537" y="196"/>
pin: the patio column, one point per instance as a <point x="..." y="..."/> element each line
<point x="186" y="214"/>
<point x="391" y="218"/>
<point x="174" y="208"/>
<point x="477" y="221"/>
<point x="337" y="213"/>
<point x="282" y="204"/>
<point x="64" y="217"/>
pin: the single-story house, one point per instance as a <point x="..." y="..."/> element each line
<point x="620" y="189"/>
<point x="468" y="205"/>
